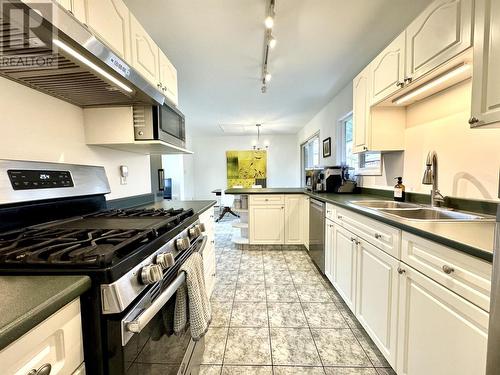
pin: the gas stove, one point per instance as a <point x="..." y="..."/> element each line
<point x="54" y="220"/>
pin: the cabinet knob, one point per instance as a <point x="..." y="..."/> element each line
<point x="365" y="148"/>
<point x="339" y="217"/>
<point x="401" y="270"/>
<point x="408" y="80"/>
<point x="378" y="236"/>
<point x="447" y="269"/>
<point x="44" y="370"/>
<point x="400" y="84"/>
<point x="473" y="120"/>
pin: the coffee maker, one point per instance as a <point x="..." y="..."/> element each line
<point x="315" y="180"/>
<point x="336" y="180"/>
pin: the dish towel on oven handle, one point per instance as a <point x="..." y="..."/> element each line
<point x="192" y="307"/>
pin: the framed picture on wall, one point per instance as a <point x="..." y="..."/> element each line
<point x="327" y="147"/>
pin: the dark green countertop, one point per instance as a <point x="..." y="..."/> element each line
<point x="474" y="238"/>
<point x="198" y="206"/>
<point x="29" y="300"/>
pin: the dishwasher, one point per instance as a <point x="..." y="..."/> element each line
<point x="317" y="233"/>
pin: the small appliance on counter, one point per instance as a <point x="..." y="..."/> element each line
<point x="337" y="180"/>
<point x="315" y="180"/>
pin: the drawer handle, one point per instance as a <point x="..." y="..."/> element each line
<point x="378" y="236"/>
<point x="401" y="270"/>
<point x="448" y="270"/>
<point x="44" y="370"/>
<point x="339" y="217"/>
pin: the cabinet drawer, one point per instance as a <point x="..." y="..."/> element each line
<point x="267" y="199"/>
<point x="380" y="235"/>
<point x="331" y="211"/>
<point x="465" y="275"/>
<point x="56" y="341"/>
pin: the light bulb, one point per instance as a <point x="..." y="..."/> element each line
<point x="268" y="77"/>
<point x="269" y="22"/>
<point x="272" y="42"/>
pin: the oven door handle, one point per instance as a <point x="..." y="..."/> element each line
<point x="141" y="321"/>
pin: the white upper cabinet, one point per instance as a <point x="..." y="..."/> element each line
<point x="440" y="32"/>
<point x="388" y="70"/>
<point x="486" y="77"/>
<point x="361" y="110"/>
<point x="439" y="332"/>
<point x="145" y="53"/>
<point x="110" y="20"/>
<point x="168" y="78"/>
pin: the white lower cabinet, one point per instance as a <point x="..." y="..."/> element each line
<point x="439" y="332"/>
<point x="209" y="261"/>
<point x="377" y="297"/>
<point x="305" y="220"/>
<point x="344" y="264"/>
<point x="57" y="342"/>
<point x="294" y="231"/>
<point x="329" y="246"/>
<point x="267" y="224"/>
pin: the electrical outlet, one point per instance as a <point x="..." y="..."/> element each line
<point x="123" y="174"/>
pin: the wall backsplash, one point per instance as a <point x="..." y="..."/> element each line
<point x="469" y="159"/>
<point x="39" y="127"/>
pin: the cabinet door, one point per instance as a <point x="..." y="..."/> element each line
<point x="145" y="58"/>
<point x="329" y="243"/>
<point x="439" y="332"/>
<point x="267" y="225"/>
<point x="377" y="297"/>
<point x="486" y="79"/>
<point x="293" y="220"/>
<point x="442" y="31"/>
<point x="388" y="70"/>
<point x="361" y="111"/>
<point x="168" y="78"/>
<point x="110" y="20"/>
<point x="305" y="223"/>
<point x="344" y="265"/>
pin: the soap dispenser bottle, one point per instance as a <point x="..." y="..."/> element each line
<point x="399" y="190"/>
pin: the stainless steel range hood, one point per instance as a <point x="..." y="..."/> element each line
<point x="88" y="72"/>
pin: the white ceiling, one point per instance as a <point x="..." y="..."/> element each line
<point x="217" y="47"/>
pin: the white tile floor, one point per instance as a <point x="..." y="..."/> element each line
<point x="274" y="313"/>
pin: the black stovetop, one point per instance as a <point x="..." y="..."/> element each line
<point x="99" y="240"/>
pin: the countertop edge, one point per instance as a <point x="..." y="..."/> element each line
<point x="24" y="323"/>
<point x="458" y="246"/>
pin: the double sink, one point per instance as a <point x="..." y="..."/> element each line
<point x="413" y="211"/>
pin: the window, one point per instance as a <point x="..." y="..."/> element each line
<point x="310" y="154"/>
<point x="366" y="163"/>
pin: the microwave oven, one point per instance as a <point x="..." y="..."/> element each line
<point x="160" y="123"/>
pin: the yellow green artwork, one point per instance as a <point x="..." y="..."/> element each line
<point x="245" y="167"/>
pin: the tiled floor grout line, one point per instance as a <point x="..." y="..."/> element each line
<point x="307" y="321"/>
<point x="230" y="317"/>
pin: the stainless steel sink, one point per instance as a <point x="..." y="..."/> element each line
<point x="413" y="211"/>
<point x="379" y="204"/>
<point x="435" y="214"/>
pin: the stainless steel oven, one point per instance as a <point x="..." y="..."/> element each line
<point x="141" y="340"/>
<point x="162" y="123"/>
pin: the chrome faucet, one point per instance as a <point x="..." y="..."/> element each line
<point x="431" y="178"/>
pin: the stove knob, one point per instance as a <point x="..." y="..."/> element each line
<point x="194" y="231"/>
<point x="182" y="244"/>
<point x="202" y="228"/>
<point x="165" y="260"/>
<point x="151" y="274"/>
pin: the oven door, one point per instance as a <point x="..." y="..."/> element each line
<point x="147" y="344"/>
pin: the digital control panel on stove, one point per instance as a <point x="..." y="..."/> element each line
<point x="39" y="179"/>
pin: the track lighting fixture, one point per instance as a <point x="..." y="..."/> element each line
<point x="269" y="22"/>
<point x="272" y="42"/>
<point x="269" y="43"/>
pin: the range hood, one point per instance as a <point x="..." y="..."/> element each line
<point x="87" y="73"/>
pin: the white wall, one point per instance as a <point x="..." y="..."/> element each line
<point x="39" y="127"/>
<point x="209" y="161"/>
<point x="469" y="159"/>
<point x="326" y="122"/>
<point x="174" y="169"/>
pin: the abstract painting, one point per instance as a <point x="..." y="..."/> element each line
<point x="246" y="168"/>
